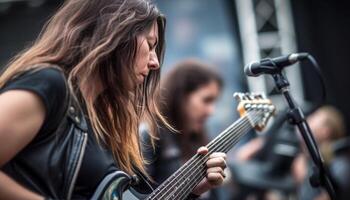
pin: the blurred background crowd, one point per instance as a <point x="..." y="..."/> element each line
<point x="208" y="44"/>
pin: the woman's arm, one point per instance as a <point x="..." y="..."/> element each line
<point x="11" y="190"/>
<point x="22" y="113"/>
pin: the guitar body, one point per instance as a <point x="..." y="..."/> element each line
<point x="116" y="186"/>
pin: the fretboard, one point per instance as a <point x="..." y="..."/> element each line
<point x="179" y="185"/>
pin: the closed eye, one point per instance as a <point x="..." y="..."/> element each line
<point x="152" y="46"/>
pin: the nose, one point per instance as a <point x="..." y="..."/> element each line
<point x="153" y="63"/>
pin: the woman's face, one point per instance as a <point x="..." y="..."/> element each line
<point x="200" y="104"/>
<point x="146" y="57"/>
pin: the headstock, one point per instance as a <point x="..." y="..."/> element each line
<point x="256" y="107"/>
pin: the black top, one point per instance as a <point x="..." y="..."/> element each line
<point x="166" y="158"/>
<point x="49" y="84"/>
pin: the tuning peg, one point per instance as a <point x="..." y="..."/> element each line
<point x="238" y="96"/>
<point x="245" y="96"/>
<point x="253" y="106"/>
<point x="261" y="96"/>
<point x="248" y="106"/>
<point x="254" y="96"/>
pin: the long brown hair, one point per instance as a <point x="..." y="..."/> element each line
<point x="185" y="78"/>
<point x="88" y="38"/>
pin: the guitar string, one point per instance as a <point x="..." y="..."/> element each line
<point x="200" y="173"/>
<point x="185" y="167"/>
<point x="224" y="135"/>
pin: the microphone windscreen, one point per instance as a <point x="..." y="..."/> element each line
<point x="248" y="69"/>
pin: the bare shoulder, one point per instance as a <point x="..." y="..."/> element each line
<point x="22" y="114"/>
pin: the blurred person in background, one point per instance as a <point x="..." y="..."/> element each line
<point x="327" y="125"/>
<point x="104" y="57"/>
<point x="187" y="99"/>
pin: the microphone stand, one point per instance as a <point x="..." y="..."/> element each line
<point x="295" y="115"/>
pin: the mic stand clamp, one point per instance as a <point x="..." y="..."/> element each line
<point x="296" y="117"/>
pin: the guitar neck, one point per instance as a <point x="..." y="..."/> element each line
<point x="184" y="180"/>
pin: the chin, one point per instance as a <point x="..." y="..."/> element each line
<point x="140" y="80"/>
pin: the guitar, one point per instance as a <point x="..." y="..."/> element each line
<point x="255" y="111"/>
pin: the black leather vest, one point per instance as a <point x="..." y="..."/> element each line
<point x="50" y="166"/>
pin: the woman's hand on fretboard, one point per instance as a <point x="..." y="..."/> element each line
<point x="215" y="174"/>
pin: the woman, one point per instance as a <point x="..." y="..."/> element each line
<point x="188" y="95"/>
<point x="72" y="102"/>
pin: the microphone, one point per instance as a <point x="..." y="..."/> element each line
<point x="273" y="65"/>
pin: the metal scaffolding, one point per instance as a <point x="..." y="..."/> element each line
<point x="267" y="30"/>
